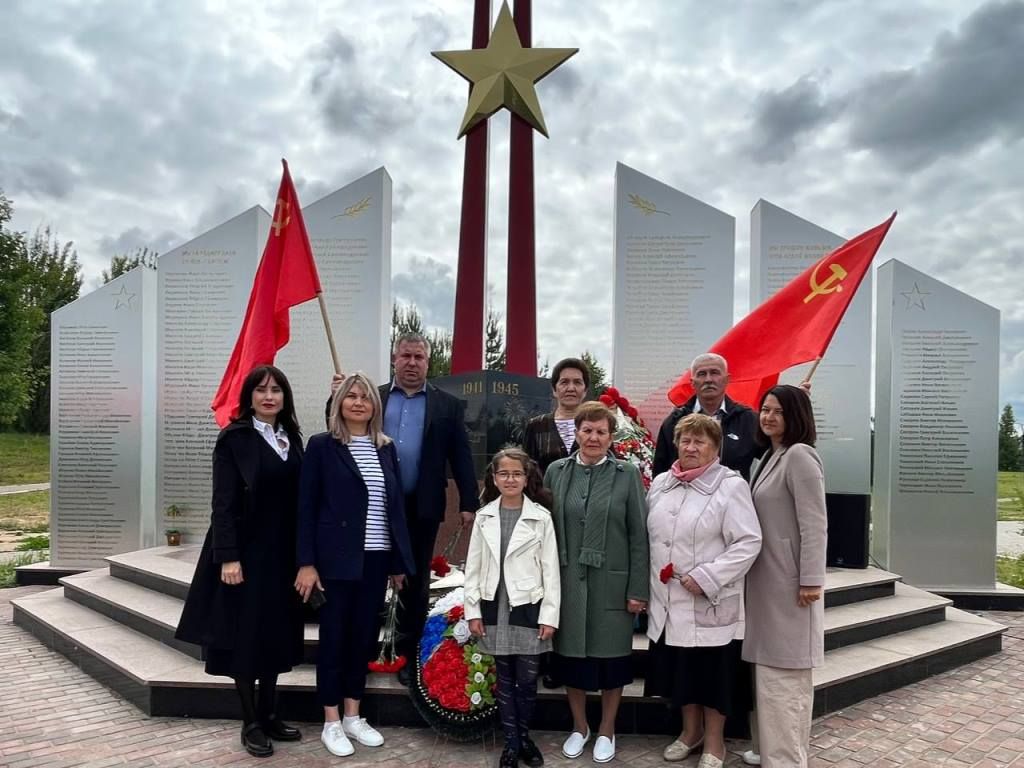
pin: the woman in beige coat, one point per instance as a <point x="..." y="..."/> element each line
<point x="785" y="633"/>
<point x="704" y="537"/>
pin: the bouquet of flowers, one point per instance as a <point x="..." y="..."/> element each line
<point x="388" y="659"/>
<point x="632" y="441"/>
<point x="454" y="686"/>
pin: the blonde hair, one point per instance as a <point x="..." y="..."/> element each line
<point x="698" y="424"/>
<point x="339" y="429"/>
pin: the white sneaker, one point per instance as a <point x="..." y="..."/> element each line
<point x="363" y="732"/>
<point x="750" y="757"/>
<point x="573" y="746"/>
<point x="335" y="740"/>
<point x="604" y="749"/>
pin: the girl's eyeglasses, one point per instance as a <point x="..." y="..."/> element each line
<point x="504" y="475"/>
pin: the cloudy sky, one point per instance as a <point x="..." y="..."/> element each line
<point x="126" y="124"/>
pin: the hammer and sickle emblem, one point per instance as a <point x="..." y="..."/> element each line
<point x="831" y="284"/>
<point x="281" y="216"/>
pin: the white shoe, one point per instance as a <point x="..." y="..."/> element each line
<point x="363" y="732"/>
<point x="334" y="738"/>
<point x="707" y="760"/>
<point x="750" y="757"/>
<point x="679" y="750"/>
<point x="604" y="749"/>
<point x="573" y="746"/>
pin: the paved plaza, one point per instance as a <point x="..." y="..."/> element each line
<point x="54" y="715"/>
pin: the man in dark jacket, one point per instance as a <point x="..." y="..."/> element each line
<point x="429" y="431"/>
<point x="710" y="376"/>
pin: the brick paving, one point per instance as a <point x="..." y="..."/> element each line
<point x="53" y="715"/>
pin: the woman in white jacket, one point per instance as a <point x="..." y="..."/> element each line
<point x="512" y="591"/>
<point x="704" y="536"/>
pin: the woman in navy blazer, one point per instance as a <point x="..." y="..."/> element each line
<point x="352" y="536"/>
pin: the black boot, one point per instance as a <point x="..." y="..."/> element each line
<point x="529" y="753"/>
<point x="509" y="758"/>
<point x="266" y="705"/>
<point x="255" y="741"/>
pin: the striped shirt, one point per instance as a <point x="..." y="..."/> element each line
<point x="567" y="431"/>
<point x="378" y="531"/>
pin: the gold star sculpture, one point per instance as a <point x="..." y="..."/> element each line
<point x="503" y="74"/>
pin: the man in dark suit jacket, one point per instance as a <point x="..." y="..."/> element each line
<point x="429" y="431"/>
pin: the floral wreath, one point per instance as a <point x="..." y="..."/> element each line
<point x="632" y="440"/>
<point x="453" y="689"/>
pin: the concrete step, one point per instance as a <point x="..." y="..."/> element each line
<point x="163" y="681"/>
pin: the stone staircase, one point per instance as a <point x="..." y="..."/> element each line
<point x="117" y="624"/>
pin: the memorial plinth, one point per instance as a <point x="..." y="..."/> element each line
<point x="936" y="411"/>
<point x="673" y="286"/>
<point x="103" y="413"/>
<point x="782" y="246"/>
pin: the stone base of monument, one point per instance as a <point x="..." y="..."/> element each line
<point x="43" y="573"/>
<point x="1001" y="597"/>
<point x="498" y="405"/>
<point x="117" y="624"/>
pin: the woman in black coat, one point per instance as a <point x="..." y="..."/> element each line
<point x="352" y="536"/>
<point x="241" y="606"/>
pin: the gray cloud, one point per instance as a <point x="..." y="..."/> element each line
<point x="968" y="90"/>
<point x="781" y="117"/>
<point x="134" y="238"/>
<point x="430" y="285"/>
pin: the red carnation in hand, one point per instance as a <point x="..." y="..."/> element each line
<point x="606" y="400"/>
<point x="613" y="393"/>
<point x="666" y="573"/>
<point x="439" y="565"/>
<point x="632" y="412"/>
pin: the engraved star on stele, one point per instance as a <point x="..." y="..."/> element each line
<point x="503" y="74"/>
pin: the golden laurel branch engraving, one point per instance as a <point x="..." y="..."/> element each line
<point x="646" y="207"/>
<point x="355" y="209"/>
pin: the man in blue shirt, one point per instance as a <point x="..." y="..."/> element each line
<point x="429" y="431"/>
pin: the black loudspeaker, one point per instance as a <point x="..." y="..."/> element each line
<point x="848" y="518"/>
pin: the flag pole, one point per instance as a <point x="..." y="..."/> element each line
<point x="810" y="373"/>
<point x="330" y="334"/>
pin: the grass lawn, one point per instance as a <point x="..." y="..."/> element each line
<point x="24" y="458"/>
<point x="23" y="558"/>
<point x="1010" y="570"/>
<point x="26" y="512"/>
<point x="1010" y="486"/>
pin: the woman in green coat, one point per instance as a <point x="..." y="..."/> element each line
<point x="601" y="527"/>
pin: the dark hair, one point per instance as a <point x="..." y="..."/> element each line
<point x="797" y="415"/>
<point x="535" y="489"/>
<point x="286" y="418"/>
<point x="595" y="410"/>
<point x="570" y="362"/>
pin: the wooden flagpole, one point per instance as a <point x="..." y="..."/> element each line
<point x="330" y="334"/>
<point x="810" y="373"/>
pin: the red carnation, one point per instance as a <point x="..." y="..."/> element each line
<point x="613" y="393"/>
<point x="632" y="412"/>
<point x="455" y="614"/>
<point x="606" y="400"/>
<point x="666" y="573"/>
<point x="439" y="565"/>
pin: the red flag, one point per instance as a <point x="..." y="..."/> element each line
<point x="285" y="277"/>
<point x="795" y="325"/>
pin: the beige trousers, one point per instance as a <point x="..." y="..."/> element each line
<point x="784" y="701"/>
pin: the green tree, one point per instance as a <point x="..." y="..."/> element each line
<point x="495" y="354"/>
<point x="1010" y="459"/>
<point x="407" y="319"/>
<point x="18" y="321"/>
<point x="598" y="375"/>
<point x="53" y="279"/>
<point x="122" y="263"/>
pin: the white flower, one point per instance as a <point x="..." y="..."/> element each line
<point x="479" y="677"/>
<point x="461" y="632"/>
<point x="476" y="698"/>
<point x="476" y="658"/>
<point x="449" y="601"/>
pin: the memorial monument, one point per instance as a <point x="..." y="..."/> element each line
<point x="673" y="287"/>
<point x="936" y="400"/>
<point x="502" y="70"/>
<point x="103" y="417"/>
<point x="782" y="245"/>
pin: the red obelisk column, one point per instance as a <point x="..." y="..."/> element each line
<point x="468" y="334"/>
<point x="521" y="302"/>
